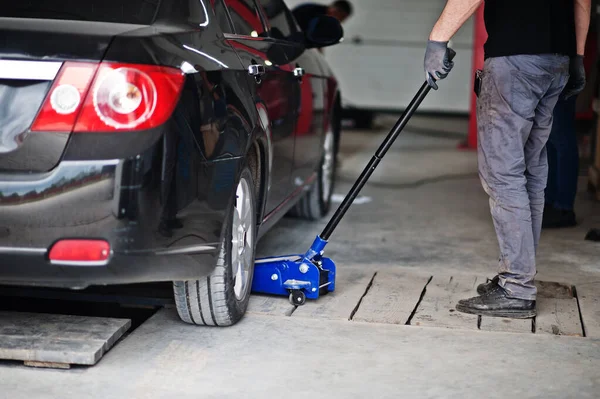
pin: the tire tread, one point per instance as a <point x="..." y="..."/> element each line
<point x="211" y="301"/>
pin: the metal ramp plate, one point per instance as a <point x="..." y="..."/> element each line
<point x="51" y="340"/>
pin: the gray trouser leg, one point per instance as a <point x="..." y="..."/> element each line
<point x="514" y="117"/>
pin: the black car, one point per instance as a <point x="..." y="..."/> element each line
<point x="158" y="140"/>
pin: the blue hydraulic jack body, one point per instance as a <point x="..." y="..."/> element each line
<point x="312" y="275"/>
<point x="298" y="276"/>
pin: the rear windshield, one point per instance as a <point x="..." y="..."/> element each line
<point x="140" y="12"/>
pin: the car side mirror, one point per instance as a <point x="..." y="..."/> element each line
<point x="323" y="31"/>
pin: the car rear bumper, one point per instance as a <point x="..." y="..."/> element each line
<point x="30" y="267"/>
<point x="122" y="202"/>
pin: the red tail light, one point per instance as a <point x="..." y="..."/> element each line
<point x="80" y="252"/>
<point x="130" y="97"/>
<point x="120" y="97"/>
<point x="61" y="107"/>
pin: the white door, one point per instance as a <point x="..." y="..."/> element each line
<point x="380" y="62"/>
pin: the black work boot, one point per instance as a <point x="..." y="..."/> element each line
<point x="484" y="288"/>
<point x="495" y="303"/>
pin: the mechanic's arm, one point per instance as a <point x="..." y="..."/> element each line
<point x="577" y="78"/>
<point x="453" y="17"/>
<point x="437" y="64"/>
<point x="582" y="23"/>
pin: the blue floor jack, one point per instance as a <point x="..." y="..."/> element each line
<point x="312" y="275"/>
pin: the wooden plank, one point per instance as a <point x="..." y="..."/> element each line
<point x="557" y="313"/>
<point x="557" y="310"/>
<point x="551" y="289"/>
<point x="53" y="350"/>
<point x="350" y="286"/>
<point x="588" y="295"/>
<point x="546" y="291"/>
<point x="56" y="326"/>
<point x="558" y="317"/>
<point x="500" y="324"/>
<point x="438" y="307"/>
<point x="392" y="297"/>
<point x="64" y="339"/>
<point x="269" y="305"/>
<point x="48" y="365"/>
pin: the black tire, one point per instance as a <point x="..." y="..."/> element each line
<point x="364" y="120"/>
<point x="316" y="202"/>
<point x="212" y="301"/>
<point x="361" y="119"/>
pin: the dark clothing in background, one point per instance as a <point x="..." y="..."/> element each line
<point x="304" y="13"/>
<point x="517" y="27"/>
<point x="563" y="157"/>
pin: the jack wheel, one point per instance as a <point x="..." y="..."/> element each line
<point x="297" y="298"/>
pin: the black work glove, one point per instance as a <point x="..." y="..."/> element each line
<point x="576" y="82"/>
<point x="437" y="63"/>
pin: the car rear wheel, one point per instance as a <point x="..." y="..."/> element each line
<point x="359" y="118"/>
<point x="221" y="298"/>
<point x="317" y="201"/>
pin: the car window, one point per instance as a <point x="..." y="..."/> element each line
<point x="280" y="20"/>
<point x="222" y="17"/>
<point x="245" y="17"/>
<point x="119" y="11"/>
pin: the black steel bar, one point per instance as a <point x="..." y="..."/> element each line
<point x="372" y="165"/>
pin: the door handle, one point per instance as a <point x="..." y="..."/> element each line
<point x="298" y="72"/>
<point x="256" y="70"/>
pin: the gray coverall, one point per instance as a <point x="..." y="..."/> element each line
<point x="514" y="116"/>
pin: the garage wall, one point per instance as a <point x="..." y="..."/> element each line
<point x="380" y="62"/>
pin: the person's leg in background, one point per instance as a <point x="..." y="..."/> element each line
<point x="537" y="172"/>
<point x="563" y="161"/>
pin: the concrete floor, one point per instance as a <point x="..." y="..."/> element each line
<point x="424" y="214"/>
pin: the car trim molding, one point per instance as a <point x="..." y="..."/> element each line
<point x="8" y="250"/>
<point x="79" y="263"/>
<point x="196" y="249"/>
<point x="29" y="70"/>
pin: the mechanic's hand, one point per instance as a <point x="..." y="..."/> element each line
<point x="576" y="82"/>
<point x="437" y="64"/>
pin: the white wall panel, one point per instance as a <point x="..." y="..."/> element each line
<point x="386" y="70"/>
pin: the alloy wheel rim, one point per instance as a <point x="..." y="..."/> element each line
<point x="242" y="239"/>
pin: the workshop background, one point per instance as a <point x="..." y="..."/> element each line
<point x="418" y="238"/>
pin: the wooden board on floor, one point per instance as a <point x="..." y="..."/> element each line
<point x="270" y="305"/>
<point x="558" y="317"/>
<point x="350" y="285"/>
<point x="37" y="338"/>
<point x="557" y="310"/>
<point x="500" y="324"/>
<point x="392" y="297"/>
<point x="589" y="304"/>
<point x="438" y="307"/>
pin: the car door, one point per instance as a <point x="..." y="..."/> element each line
<point x="273" y="81"/>
<point x="309" y="98"/>
<point x="311" y="121"/>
